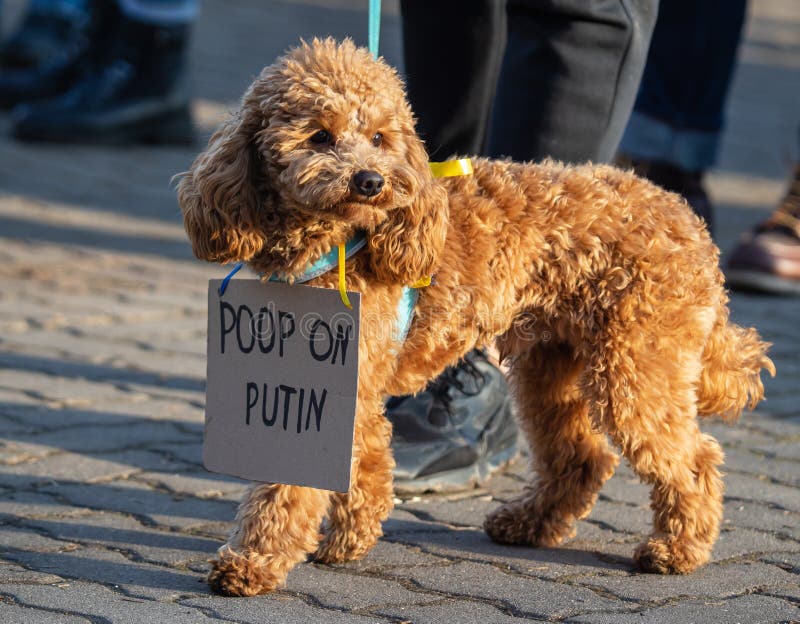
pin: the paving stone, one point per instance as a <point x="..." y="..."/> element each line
<point x="573" y="559"/>
<point x="201" y="484"/>
<point x="94" y="601"/>
<point x="13" y="573"/>
<point x="69" y="391"/>
<point x="33" y="418"/>
<point x="280" y="608"/>
<point x="782" y="450"/>
<point x="748" y="488"/>
<point x="14" y="539"/>
<point x="739" y="435"/>
<point x="119" y="532"/>
<point x="98" y="439"/>
<point x="789" y="561"/>
<point x="782" y="426"/>
<point x="390" y="556"/>
<point x="185" y="413"/>
<point x="187" y="453"/>
<point x="24" y="504"/>
<point x="750" y="609"/>
<point x="713" y="580"/>
<point x="108" y="362"/>
<point x="68" y="467"/>
<point x="15" y="614"/>
<point x="461" y="611"/>
<point x="522" y="595"/>
<point x="781" y="471"/>
<point x="332" y="587"/>
<point x="622" y="488"/>
<point x="15" y="453"/>
<point x="138" y="500"/>
<point x="467" y="512"/>
<point x="738" y="541"/>
<point x="13" y="396"/>
<point x="112" y="569"/>
<point x="780" y="522"/>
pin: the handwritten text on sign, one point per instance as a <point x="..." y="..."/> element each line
<point x="282" y="379"/>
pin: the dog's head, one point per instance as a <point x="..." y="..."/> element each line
<point x="324" y="143"/>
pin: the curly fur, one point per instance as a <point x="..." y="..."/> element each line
<point x="602" y="291"/>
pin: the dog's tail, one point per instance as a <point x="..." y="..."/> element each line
<point x="732" y="363"/>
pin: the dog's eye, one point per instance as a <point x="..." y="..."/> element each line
<point x="377" y="139"/>
<point x="321" y="137"/>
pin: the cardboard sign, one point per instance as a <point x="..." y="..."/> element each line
<point x="282" y="382"/>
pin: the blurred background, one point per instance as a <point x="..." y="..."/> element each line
<point x="230" y="43"/>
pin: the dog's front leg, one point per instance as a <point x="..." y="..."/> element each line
<point x="354" y="522"/>
<point x="277" y="526"/>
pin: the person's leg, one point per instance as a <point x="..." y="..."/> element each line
<point x="47" y="52"/>
<point x="46" y="27"/>
<point x="674" y="132"/>
<point x="136" y="87"/>
<point x="461" y="428"/>
<point x="452" y="53"/>
<point x="679" y="111"/>
<point x="569" y="77"/>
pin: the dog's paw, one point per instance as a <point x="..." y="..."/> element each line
<point x="338" y="548"/>
<point x="233" y="574"/>
<point x="505" y="526"/>
<point x="668" y="555"/>
<point x="512" y="523"/>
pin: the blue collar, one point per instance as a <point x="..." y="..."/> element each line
<point x="328" y="261"/>
<point x="405" y="307"/>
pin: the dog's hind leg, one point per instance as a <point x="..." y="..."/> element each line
<point x="649" y="380"/>
<point x="571" y="459"/>
<point x="354" y="521"/>
<point x="277" y="526"/>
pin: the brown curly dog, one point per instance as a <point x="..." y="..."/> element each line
<point x="619" y="276"/>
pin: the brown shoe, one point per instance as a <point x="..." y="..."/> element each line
<point x="768" y="258"/>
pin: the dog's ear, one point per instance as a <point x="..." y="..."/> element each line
<point x="220" y="195"/>
<point x="406" y="247"/>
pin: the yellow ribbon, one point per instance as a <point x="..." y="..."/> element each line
<point x="342" y="283"/>
<point x="446" y="169"/>
<point x="451" y="168"/>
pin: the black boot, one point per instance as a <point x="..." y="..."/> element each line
<point x="41" y="36"/>
<point x="48" y="53"/>
<point x="135" y="92"/>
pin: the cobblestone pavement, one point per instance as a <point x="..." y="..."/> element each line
<point x="106" y="513"/>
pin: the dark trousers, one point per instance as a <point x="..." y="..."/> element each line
<point x="679" y="111"/>
<point x="690" y="62"/>
<point x="525" y="78"/>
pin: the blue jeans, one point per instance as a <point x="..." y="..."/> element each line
<point x="162" y="12"/>
<point x="679" y="111"/>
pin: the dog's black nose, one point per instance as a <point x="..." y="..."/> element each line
<point x="368" y="183"/>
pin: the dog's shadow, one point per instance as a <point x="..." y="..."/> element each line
<point x="473" y="545"/>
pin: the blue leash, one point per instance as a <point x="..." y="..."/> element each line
<point x="374" y="26"/>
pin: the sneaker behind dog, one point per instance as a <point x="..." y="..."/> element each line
<point x="457" y="432"/>
<point x="768" y="258"/>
